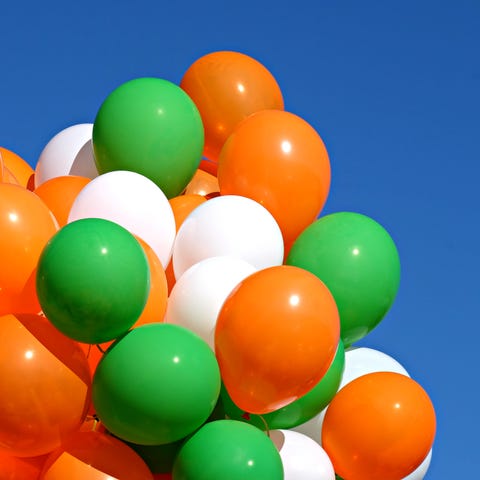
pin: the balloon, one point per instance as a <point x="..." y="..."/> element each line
<point x="133" y="201"/>
<point x="156" y="385"/>
<point x="26" y="225"/>
<point x="420" y="472"/>
<point x="16" y="166"/>
<point x="361" y="361"/>
<point x="379" y="426"/>
<point x="228" y="226"/>
<point x="228" y="449"/>
<point x="152" y="127"/>
<point x="276" y="337"/>
<point x="277" y="159"/>
<point x="227" y="87"/>
<point x="84" y="280"/>
<point x="156" y="305"/>
<point x="302" y="458"/>
<point x="358" y="261"/>
<point x="59" y="193"/>
<point x="199" y="293"/>
<point x="299" y="411"/>
<point x="202" y="183"/>
<point x="44" y="386"/>
<point x="20" y="468"/>
<point x="69" y="152"/>
<point x="95" y="456"/>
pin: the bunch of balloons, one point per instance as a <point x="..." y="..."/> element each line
<point x="173" y="304"/>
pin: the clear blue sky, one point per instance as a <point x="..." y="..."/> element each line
<point x="393" y="89"/>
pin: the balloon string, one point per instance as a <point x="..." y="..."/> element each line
<point x="100" y="348"/>
<point x="89" y="350"/>
<point x="267" y="430"/>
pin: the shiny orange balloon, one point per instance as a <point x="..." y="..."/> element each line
<point x="44" y="386"/>
<point x="23" y="301"/>
<point x="26" y="225"/>
<point x="226" y="88"/>
<point x="95" y="456"/>
<point x="202" y="183"/>
<point x="156" y="305"/>
<point x="16" y="468"/>
<point x="381" y="426"/>
<point x="277" y="159"/>
<point x="59" y="193"/>
<point x="276" y="336"/>
<point x="17" y="167"/>
<point x="182" y="206"/>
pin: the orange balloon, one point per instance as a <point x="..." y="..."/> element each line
<point x="9" y="177"/>
<point x="202" y="183"/>
<point x="26" y="224"/>
<point x="24" y="301"/>
<point x="95" y="456"/>
<point x="44" y="386"/>
<point x="156" y="305"/>
<point x="17" y="166"/>
<point x="182" y="206"/>
<point x="276" y="336"/>
<point x="277" y="159"/>
<point x="93" y="354"/>
<point x="16" y="468"/>
<point x="227" y="87"/>
<point x="59" y="193"/>
<point x="381" y="426"/>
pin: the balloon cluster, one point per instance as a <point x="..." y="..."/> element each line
<point x="173" y="304"/>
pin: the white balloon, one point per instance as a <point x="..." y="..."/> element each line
<point x="198" y="295"/>
<point x="358" y="361"/>
<point x="134" y="202"/>
<point x="69" y="152"/>
<point x="420" y="472"/>
<point x="229" y="225"/>
<point x="302" y="458"/>
<point x="362" y="360"/>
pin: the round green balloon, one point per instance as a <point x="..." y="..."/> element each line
<point x="93" y="280"/>
<point x="152" y="127"/>
<point x="228" y="449"/>
<point x="358" y="261"/>
<point x="156" y="385"/>
<point x="299" y="411"/>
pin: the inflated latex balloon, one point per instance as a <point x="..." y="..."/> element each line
<point x="20" y="468"/>
<point x="360" y="361"/>
<point x="152" y="127"/>
<point x="302" y="458"/>
<point x="69" y="152"/>
<point x="199" y="293"/>
<point x="229" y="225"/>
<point x="156" y="385"/>
<point x="420" y="472"/>
<point x="182" y="206"/>
<point x="227" y="87"/>
<point x="93" y="280"/>
<point x="44" y="386"/>
<point x="26" y="225"/>
<point x="276" y="337"/>
<point x="380" y="426"/>
<point x="156" y="305"/>
<point x="16" y="166"/>
<point x="59" y="193"/>
<point x="228" y="449"/>
<point x="95" y="456"/>
<point x="202" y="183"/>
<point x="133" y="201"/>
<point x="358" y="261"/>
<point x="277" y="159"/>
<point x="299" y="411"/>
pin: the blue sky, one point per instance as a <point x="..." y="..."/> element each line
<point x="392" y="88"/>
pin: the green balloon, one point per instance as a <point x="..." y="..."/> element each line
<point x="156" y="385"/>
<point x="228" y="449"/>
<point x="93" y="280"/>
<point x="299" y="411"/>
<point x="358" y="261"/>
<point x="152" y="127"/>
